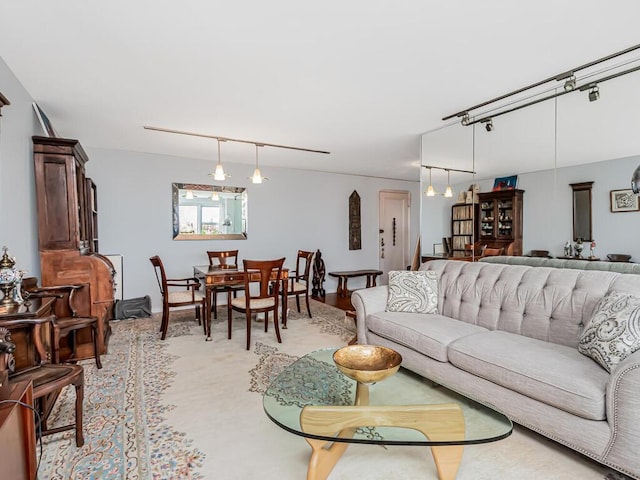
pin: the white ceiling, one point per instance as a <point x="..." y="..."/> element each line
<point x="361" y="78"/>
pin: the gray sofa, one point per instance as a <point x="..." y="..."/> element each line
<point x="507" y="335"/>
<point x="618" y="267"/>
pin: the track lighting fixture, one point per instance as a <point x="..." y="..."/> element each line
<point x="448" y="192"/>
<point x="488" y="125"/>
<point x="570" y="83"/>
<point x="219" y="174"/>
<point x="257" y="175"/>
<point x="527" y="97"/>
<point x="430" y="191"/>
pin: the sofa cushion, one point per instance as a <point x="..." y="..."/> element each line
<point x="554" y="374"/>
<point x="613" y="332"/>
<point x="429" y="334"/>
<point x="413" y="292"/>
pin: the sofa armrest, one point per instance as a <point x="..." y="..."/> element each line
<point x="368" y="301"/>
<point x="623" y="414"/>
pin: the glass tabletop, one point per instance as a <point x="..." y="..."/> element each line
<point x="315" y="380"/>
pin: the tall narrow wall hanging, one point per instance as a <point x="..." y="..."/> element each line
<point x="355" y="235"/>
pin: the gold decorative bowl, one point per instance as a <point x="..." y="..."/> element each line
<point x="367" y="363"/>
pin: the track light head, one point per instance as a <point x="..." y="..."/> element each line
<point x="465" y="119"/>
<point x="570" y="83"/>
<point x="594" y="94"/>
<point x="488" y="125"/>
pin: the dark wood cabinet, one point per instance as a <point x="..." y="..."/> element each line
<point x="68" y="234"/>
<point x="464" y="227"/>
<point x="500" y="220"/>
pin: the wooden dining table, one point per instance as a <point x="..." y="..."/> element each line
<point x="227" y="275"/>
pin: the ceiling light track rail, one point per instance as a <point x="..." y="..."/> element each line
<point x="237" y="140"/>
<point x="587" y="86"/>
<point x="567" y="75"/>
<point x="448" y="169"/>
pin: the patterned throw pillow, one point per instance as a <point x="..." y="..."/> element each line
<point x="613" y="331"/>
<point x="413" y="292"/>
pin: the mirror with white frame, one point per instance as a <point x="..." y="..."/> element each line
<point x="209" y="212"/>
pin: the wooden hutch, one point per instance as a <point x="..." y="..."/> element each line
<point x="67" y="232"/>
<point x="500" y="220"/>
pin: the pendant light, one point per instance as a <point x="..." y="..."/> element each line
<point x="189" y="195"/>
<point x="215" y="196"/>
<point x="430" y="191"/>
<point x="448" y="192"/>
<point x="219" y="174"/>
<point x="257" y="175"/>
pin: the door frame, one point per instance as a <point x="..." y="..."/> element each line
<point x="407" y="214"/>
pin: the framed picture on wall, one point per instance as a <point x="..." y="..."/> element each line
<point x="505" y="183"/>
<point x="624" y="201"/>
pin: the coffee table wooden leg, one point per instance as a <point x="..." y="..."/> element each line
<point x="447" y="460"/>
<point x="324" y="457"/>
<point x="444" y="422"/>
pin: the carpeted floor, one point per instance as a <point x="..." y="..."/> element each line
<point x="189" y="409"/>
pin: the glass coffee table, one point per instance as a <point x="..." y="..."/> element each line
<point x="313" y="399"/>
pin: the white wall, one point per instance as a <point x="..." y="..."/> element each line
<point x="295" y="209"/>
<point x="18" y="217"/>
<point x="548" y="221"/>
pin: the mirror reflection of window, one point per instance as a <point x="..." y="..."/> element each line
<point x="188" y="218"/>
<point x="209" y="212"/>
<point x="210" y="220"/>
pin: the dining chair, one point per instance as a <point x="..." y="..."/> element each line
<point x="474" y="249"/>
<point x="492" y="252"/>
<point x="67" y="323"/>
<point x="299" y="279"/>
<point x="185" y="292"/>
<point x="267" y="274"/>
<point x="48" y="380"/>
<point x="223" y="259"/>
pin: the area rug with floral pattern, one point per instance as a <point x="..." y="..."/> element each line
<point x="186" y="409"/>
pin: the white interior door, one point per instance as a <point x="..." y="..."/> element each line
<point x="393" y="224"/>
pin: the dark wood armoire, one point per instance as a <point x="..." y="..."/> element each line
<point x="67" y="232"/>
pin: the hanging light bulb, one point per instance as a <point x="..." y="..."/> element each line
<point x="219" y="174"/>
<point x="214" y="196"/>
<point x="189" y="195"/>
<point x="257" y="175"/>
<point x="430" y="191"/>
<point x="448" y="192"/>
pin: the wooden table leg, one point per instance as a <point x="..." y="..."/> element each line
<point x="207" y="312"/>
<point x="443" y="422"/>
<point x="285" y="304"/>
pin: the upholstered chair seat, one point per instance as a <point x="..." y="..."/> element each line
<point x="185" y="296"/>
<point x="254" y="303"/>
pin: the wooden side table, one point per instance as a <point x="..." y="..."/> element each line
<point x="344" y="276"/>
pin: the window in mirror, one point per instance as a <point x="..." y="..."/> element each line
<point x="209" y="212"/>
<point x="582" y="227"/>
